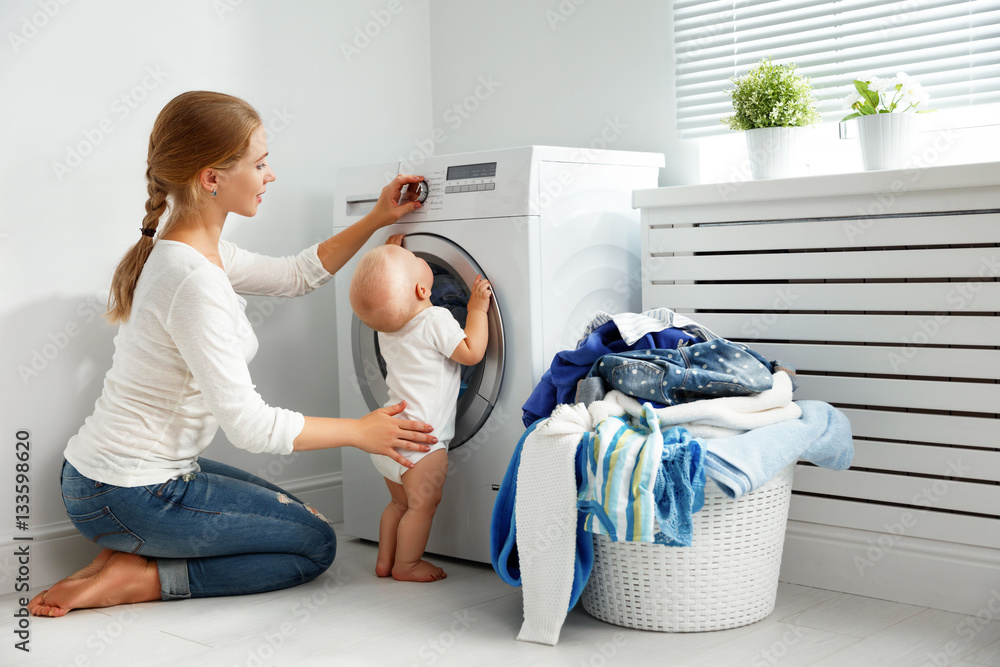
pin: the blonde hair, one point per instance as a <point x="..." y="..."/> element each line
<point x="378" y="291"/>
<point x="194" y="131"/>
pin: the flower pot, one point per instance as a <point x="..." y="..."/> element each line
<point x="773" y="151"/>
<point x="886" y="140"/>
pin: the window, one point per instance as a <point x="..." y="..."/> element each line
<point x="952" y="47"/>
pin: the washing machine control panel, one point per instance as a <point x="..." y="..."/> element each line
<point x="471" y="177"/>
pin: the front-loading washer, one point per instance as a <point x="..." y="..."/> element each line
<point x="554" y="231"/>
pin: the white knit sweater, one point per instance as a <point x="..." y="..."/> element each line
<point x="180" y="366"/>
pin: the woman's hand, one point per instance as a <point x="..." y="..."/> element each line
<point x="379" y="432"/>
<point x="388" y="209"/>
<point x="395" y="239"/>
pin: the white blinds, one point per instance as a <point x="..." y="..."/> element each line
<point x="952" y="47"/>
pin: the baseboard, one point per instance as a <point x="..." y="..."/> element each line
<point x="57" y="549"/>
<point x="927" y="573"/>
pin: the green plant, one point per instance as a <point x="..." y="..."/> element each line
<point x="876" y="95"/>
<point x="771" y="95"/>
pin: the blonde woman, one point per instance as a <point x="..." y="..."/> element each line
<point x="175" y="525"/>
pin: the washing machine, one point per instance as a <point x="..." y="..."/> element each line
<point x="554" y="231"/>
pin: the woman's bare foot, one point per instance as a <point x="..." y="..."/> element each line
<point x="113" y="578"/>
<point x="419" y="571"/>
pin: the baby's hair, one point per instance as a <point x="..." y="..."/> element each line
<point x="378" y="291"/>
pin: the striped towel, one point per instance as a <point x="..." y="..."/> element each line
<point x="621" y="466"/>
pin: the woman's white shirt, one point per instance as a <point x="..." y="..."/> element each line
<point x="179" y="370"/>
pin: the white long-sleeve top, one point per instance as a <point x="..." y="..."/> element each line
<point x="180" y="366"/>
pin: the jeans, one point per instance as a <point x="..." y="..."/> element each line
<point x="221" y="531"/>
<point x="712" y="369"/>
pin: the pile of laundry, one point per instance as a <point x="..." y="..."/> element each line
<point x="621" y="434"/>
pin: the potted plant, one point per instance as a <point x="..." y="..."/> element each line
<point x="884" y="108"/>
<point x="771" y="103"/>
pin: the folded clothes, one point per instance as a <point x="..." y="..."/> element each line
<point x="661" y="328"/>
<point x="732" y="412"/>
<point x="742" y="463"/>
<point x="711" y="369"/>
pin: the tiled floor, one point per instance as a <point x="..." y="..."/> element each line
<point x="351" y="617"/>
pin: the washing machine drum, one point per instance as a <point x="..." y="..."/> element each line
<point x="454" y="274"/>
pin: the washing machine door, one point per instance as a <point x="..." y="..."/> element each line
<point x="454" y="274"/>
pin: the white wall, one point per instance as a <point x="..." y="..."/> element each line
<point x="563" y="72"/>
<point x="62" y="231"/>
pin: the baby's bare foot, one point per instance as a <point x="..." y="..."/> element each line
<point x="383" y="568"/>
<point x="419" y="571"/>
<point x="113" y="578"/>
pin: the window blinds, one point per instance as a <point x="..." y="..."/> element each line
<point x="952" y="48"/>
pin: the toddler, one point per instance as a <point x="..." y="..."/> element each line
<point x="422" y="345"/>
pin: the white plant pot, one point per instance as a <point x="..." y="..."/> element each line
<point x="773" y="151"/>
<point x="886" y="140"/>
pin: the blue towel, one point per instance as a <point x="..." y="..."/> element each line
<point x="742" y="463"/>
<point x="503" y="531"/>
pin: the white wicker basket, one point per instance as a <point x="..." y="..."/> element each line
<point x="728" y="577"/>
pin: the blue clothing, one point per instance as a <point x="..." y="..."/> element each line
<point x="742" y="463"/>
<point x="641" y="484"/>
<point x="558" y="383"/>
<point x="711" y="369"/>
<point x="503" y="531"/>
<point x="221" y="531"/>
<point x="680" y="490"/>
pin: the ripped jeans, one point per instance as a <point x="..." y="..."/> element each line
<point x="221" y="531"/>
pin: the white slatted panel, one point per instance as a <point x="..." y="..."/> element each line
<point x="893" y="316"/>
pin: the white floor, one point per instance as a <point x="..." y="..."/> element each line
<point x="351" y="617"/>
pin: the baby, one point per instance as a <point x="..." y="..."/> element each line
<point x="422" y="345"/>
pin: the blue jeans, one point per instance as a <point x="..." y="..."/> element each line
<point x="712" y="369"/>
<point x="221" y="531"/>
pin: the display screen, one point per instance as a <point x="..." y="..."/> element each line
<point x="483" y="170"/>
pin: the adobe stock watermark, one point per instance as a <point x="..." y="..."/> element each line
<point x="962" y="297"/>
<point x="779" y="648"/>
<point x="33" y="24"/>
<point x="967" y="631"/>
<point x="431" y="651"/>
<point x="453" y="118"/>
<point x="883" y="200"/>
<point x="298" y="617"/>
<point x="929" y="497"/>
<point x="121" y="108"/>
<point x="223" y="7"/>
<point x="368" y="31"/>
<point x="562" y="13"/>
<point x="55" y="342"/>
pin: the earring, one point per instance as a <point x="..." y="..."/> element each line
<point x="213" y="193"/>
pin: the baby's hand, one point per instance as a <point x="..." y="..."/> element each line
<point x="395" y="239"/>
<point x="480" y="298"/>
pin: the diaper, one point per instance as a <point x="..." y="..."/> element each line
<point x="392" y="470"/>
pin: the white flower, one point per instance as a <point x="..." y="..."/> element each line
<point x="851" y="99"/>
<point x="913" y="93"/>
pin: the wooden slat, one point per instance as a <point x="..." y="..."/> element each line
<point x="889" y="360"/>
<point x="928" y="460"/>
<point x="966" y="295"/>
<point x="978" y="531"/>
<point x="946" y="263"/>
<point x="864" y="233"/>
<point x="922" y="394"/>
<point x="929" y="493"/>
<point x="895" y="329"/>
<point x="943" y="429"/>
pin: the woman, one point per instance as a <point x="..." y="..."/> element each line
<point x="174" y="525"/>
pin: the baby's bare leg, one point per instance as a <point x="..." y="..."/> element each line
<point x="423" y="484"/>
<point x="387" y="528"/>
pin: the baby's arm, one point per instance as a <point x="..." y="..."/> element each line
<point x="471" y="350"/>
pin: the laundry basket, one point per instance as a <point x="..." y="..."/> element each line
<point x="728" y="577"/>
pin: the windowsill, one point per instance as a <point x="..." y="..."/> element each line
<point x="954" y="136"/>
